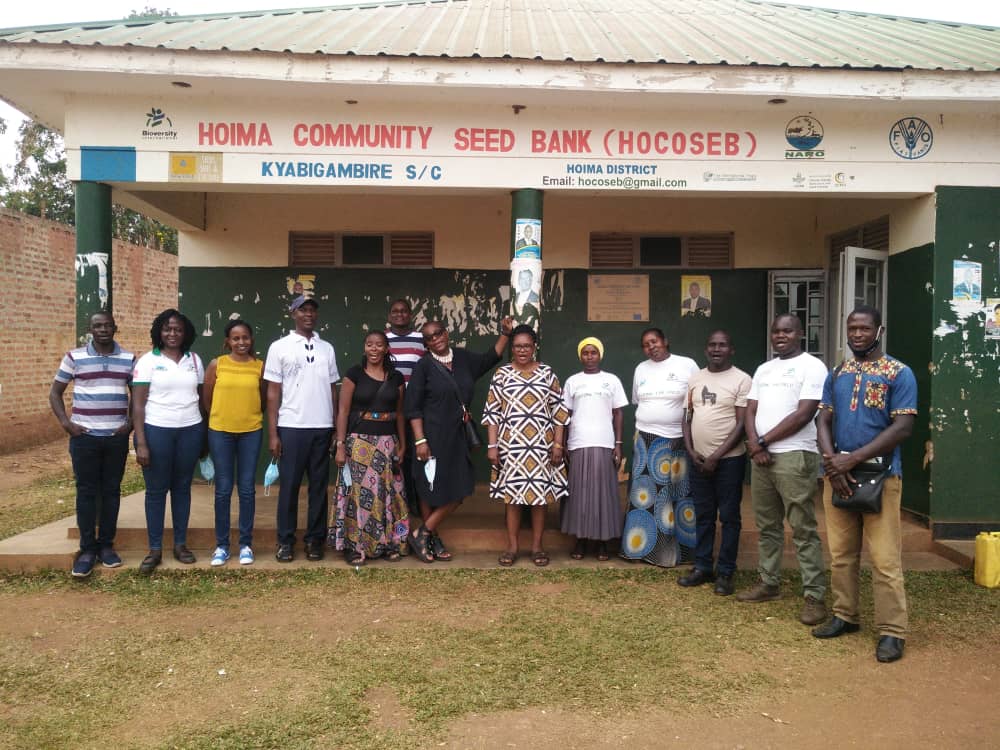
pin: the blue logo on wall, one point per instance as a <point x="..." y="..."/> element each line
<point x="804" y="133"/>
<point x="911" y="138"/>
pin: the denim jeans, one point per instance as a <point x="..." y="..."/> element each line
<point x="718" y="494"/>
<point x="235" y="457"/>
<point x="98" y="464"/>
<point x="173" y="453"/>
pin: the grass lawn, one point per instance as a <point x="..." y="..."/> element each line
<point x="389" y="659"/>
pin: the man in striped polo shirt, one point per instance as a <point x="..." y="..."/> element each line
<point x="98" y="436"/>
<point x="407" y="347"/>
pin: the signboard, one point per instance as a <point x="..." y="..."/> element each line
<point x="247" y="143"/>
<point x="618" y="297"/>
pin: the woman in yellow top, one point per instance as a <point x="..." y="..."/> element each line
<point x="234" y="397"/>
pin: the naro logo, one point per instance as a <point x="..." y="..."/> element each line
<point x="804" y="132"/>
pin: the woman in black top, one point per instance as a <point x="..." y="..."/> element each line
<point x="369" y="518"/>
<point x="437" y="405"/>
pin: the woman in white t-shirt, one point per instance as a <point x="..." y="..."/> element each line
<point x="169" y="430"/>
<point x="595" y="399"/>
<point x="660" y="523"/>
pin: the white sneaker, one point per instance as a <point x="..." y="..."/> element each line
<point x="219" y="557"/>
<point x="246" y="556"/>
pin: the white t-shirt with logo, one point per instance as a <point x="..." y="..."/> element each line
<point x="173" y="399"/>
<point x="592" y="397"/>
<point x="659" y="389"/>
<point x="777" y="387"/>
<point x="305" y="368"/>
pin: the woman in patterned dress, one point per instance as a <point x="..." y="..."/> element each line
<point x="526" y="419"/>
<point x="370" y="518"/>
<point x="660" y="523"/>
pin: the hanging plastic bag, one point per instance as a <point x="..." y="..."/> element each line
<point x="206" y="468"/>
<point x="270" y="476"/>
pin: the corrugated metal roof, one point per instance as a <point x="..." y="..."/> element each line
<point x="707" y="32"/>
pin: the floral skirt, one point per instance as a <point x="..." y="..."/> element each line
<point x="370" y="515"/>
<point x="660" y="522"/>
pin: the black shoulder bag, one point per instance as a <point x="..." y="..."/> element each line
<point x="472" y="438"/>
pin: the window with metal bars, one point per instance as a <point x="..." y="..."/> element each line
<point x="650" y="250"/>
<point x="366" y="249"/>
<point x="872" y="236"/>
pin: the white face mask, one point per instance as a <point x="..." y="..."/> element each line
<point x="430" y="469"/>
<point x="345" y="474"/>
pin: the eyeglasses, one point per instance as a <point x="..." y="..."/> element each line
<point x="523" y="346"/>
<point x="431" y="335"/>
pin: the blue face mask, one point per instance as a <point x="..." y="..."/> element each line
<point x="207" y="468"/>
<point x="270" y="476"/>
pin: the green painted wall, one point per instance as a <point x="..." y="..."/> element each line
<point x="911" y="303"/>
<point x="965" y="397"/>
<point x="353" y="301"/>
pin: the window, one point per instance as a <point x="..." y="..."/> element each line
<point x="634" y="250"/>
<point x="395" y="249"/>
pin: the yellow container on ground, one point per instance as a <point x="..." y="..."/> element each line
<point x="988" y="559"/>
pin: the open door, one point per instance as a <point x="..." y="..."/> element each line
<point x="862" y="279"/>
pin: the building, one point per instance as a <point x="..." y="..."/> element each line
<point x="780" y="157"/>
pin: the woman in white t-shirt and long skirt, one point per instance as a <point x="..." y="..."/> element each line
<point x="596" y="399"/>
<point x="660" y="523"/>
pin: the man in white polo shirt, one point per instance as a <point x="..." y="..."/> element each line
<point x="301" y="374"/>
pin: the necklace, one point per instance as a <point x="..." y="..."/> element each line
<point x="445" y="359"/>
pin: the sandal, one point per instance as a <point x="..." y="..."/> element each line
<point x="437" y="547"/>
<point x="393" y="556"/>
<point x="540" y="558"/>
<point x="579" y="550"/>
<point x="507" y="559"/>
<point x="419" y="544"/>
<point x="354" y="558"/>
<point x="602" y="552"/>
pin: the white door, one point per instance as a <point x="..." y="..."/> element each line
<point x="862" y="279"/>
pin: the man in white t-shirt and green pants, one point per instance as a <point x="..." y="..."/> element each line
<point x="781" y="436"/>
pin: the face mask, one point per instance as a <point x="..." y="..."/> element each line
<point x="270" y="476"/>
<point x="207" y="468"/>
<point x="345" y="475"/>
<point x="430" y="469"/>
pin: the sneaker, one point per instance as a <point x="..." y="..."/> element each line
<point x="84" y="564"/>
<point x="813" y="611"/>
<point x="219" y="557"/>
<point x="246" y="556"/>
<point x="760" y="592"/>
<point x="109" y="558"/>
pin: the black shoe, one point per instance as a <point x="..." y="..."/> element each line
<point x="835" y="628"/>
<point x="696" y="577"/>
<point x="84" y="564"/>
<point x="151" y="561"/>
<point x="889" y="649"/>
<point x="284" y="553"/>
<point x="314" y="551"/>
<point x="724" y="585"/>
<point x="183" y="555"/>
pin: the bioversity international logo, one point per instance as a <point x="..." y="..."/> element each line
<point x="804" y="133"/>
<point x="159" y="127"/>
<point x="911" y="138"/>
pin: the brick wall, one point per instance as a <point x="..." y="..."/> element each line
<point x="37" y="315"/>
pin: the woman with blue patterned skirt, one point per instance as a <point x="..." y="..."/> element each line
<point x="660" y="523"/>
<point x="526" y="419"/>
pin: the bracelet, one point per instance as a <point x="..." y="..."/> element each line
<point x="618" y="442"/>
<point x="419" y="442"/>
<point x="493" y="445"/>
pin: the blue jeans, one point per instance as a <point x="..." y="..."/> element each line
<point x="99" y="464"/>
<point x="173" y="453"/>
<point x="718" y="494"/>
<point x="235" y="457"/>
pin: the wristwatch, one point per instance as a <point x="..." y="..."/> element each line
<point x="762" y="442"/>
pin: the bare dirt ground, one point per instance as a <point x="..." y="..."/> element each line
<point x="24" y="467"/>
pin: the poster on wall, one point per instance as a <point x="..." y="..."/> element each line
<point x="526" y="290"/>
<point x="696" y="296"/>
<point x="993" y="319"/>
<point x="528" y="238"/>
<point x="617" y="297"/>
<point x="967" y="281"/>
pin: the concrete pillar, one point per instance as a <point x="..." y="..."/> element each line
<point x="526" y="256"/>
<point x="93" y="253"/>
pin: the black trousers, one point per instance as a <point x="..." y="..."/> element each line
<point x="99" y="464"/>
<point x="304" y="452"/>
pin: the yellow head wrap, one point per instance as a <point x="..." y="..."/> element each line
<point x="590" y="341"/>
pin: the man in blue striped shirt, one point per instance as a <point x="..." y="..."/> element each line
<point x="98" y="431"/>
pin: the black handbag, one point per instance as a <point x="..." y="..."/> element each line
<point x="867" y="493"/>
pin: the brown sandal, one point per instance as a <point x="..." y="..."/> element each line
<point x="540" y="558"/>
<point x="579" y="550"/>
<point x="507" y="559"/>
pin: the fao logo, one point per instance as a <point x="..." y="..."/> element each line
<point x="804" y="133"/>
<point x="911" y="138"/>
